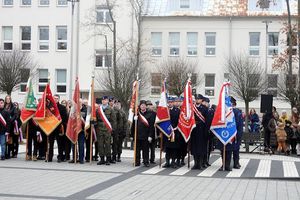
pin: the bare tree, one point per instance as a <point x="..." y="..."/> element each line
<point x="15" y="67"/>
<point x="246" y="77"/>
<point x="176" y="70"/>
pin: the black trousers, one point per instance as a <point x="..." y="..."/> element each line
<point x="42" y="146"/>
<point x="32" y="140"/>
<point x="171" y="154"/>
<point x="152" y="146"/>
<point x="15" y="144"/>
<point x="267" y="137"/>
<point x="142" y="145"/>
<point x="228" y="156"/>
<point x="60" y="142"/>
<point x="87" y="150"/>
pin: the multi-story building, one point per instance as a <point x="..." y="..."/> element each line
<point x="202" y="31"/>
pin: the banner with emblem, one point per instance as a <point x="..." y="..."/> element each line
<point x="75" y="122"/>
<point x="47" y="115"/>
<point x="186" y="121"/>
<point x="29" y="105"/>
<point x="133" y="102"/>
<point x="223" y="124"/>
<point x="162" y="120"/>
<point x="91" y="109"/>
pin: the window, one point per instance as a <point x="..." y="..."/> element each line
<point x="7" y="34"/>
<point x="26" y="2"/>
<point x="62" y="2"/>
<point x="294" y="43"/>
<point x="61" y="32"/>
<point x="254" y="40"/>
<point x="156" y="83"/>
<point x="44" y="38"/>
<point x="272" y="84"/>
<point x="226" y="76"/>
<point x="156" y="43"/>
<point x="209" y="84"/>
<point x="44" y="2"/>
<point x="8" y="2"/>
<point x="174" y="42"/>
<point x="210" y="42"/>
<point x="24" y="78"/>
<point x="25" y="37"/>
<point x="103" y="58"/>
<point x="61" y="81"/>
<point x="103" y="16"/>
<point x="192" y="43"/>
<point x="253" y="84"/>
<point x="273" y="44"/>
<point x="43" y="79"/>
<point x="184" y="3"/>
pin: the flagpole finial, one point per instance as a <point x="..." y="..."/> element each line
<point x="189" y="76"/>
<point x="93" y="74"/>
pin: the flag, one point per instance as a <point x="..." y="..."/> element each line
<point x="186" y="121"/>
<point x="91" y="110"/>
<point x="223" y="124"/>
<point x="47" y="115"/>
<point x="162" y="120"/>
<point x="74" y="123"/>
<point x="133" y="101"/>
<point x="29" y="105"/>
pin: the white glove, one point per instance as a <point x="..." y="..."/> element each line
<point x="38" y="133"/>
<point x="149" y="139"/>
<point x="131" y="138"/>
<point x="135" y="118"/>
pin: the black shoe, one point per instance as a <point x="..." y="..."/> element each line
<point x="101" y="162"/>
<point x="208" y="164"/>
<point x="71" y="161"/>
<point x="173" y="165"/>
<point x="137" y="164"/>
<point x="182" y="163"/>
<point x="152" y="162"/>
<point x="112" y="161"/>
<point x="147" y="165"/>
<point x="226" y="169"/>
<point x="195" y="167"/>
<point x="167" y="165"/>
<point x="50" y="160"/>
<point x="2" y="157"/>
<point x="59" y="160"/>
<point x="118" y="160"/>
<point x="107" y="160"/>
<point x="236" y="166"/>
<point x="81" y="162"/>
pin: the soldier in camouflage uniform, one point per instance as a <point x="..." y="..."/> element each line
<point x="114" y="133"/>
<point x="120" y="132"/>
<point x="103" y="133"/>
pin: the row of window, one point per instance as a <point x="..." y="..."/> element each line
<point x="29" y="2"/>
<point x="60" y="81"/>
<point x="210" y="43"/>
<point x="209" y="84"/>
<point x="43" y="38"/>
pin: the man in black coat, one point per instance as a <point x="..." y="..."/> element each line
<point x="198" y="136"/>
<point x="144" y="130"/>
<point x="59" y="134"/>
<point x="4" y="127"/>
<point x="153" y="143"/>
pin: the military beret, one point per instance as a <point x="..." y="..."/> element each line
<point x="104" y="97"/>
<point x="143" y="102"/>
<point x="111" y="98"/>
<point x="199" y="96"/>
<point x="149" y="103"/>
<point x="171" y="99"/>
<point x="232" y="100"/>
<point x="206" y="99"/>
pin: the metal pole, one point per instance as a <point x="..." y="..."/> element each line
<point x="266" y="45"/>
<point x="77" y="39"/>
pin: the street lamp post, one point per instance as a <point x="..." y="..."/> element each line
<point x="73" y="2"/>
<point x="267" y="22"/>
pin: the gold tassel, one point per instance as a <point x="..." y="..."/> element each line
<point x="173" y="137"/>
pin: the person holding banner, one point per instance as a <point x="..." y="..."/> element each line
<point x="144" y="129"/>
<point x="106" y="123"/>
<point x="32" y="140"/>
<point x="4" y="127"/>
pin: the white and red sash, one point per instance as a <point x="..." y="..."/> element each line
<point x="2" y="120"/>
<point x="143" y="120"/>
<point x="198" y="114"/>
<point x="104" y="119"/>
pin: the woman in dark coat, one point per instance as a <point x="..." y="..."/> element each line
<point x="272" y="128"/>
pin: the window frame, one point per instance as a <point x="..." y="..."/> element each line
<point x="105" y="11"/>
<point x="184" y="4"/>
<point x="43" y="84"/>
<point x="57" y="40"/>
<point x="61" y="5"/>
<point x="155" y="87"/>
<point x="25" y="5"/>
<point x="206" y="88"/>
<point x="273" y="47"/>
<point x="156" y="47"/>
<point x="103" y="54"/>
<point x="252" y="47"/>
<point x="7" y="5"/>
<point x="24" y="82"/>
<point x="171" y="46"/>
<point x="272" y="88"/>
<point x="8" y="41"/>
<point x="43" y="41"/>
<point x="192" y="46"/>
<point x="25" y="41"/>
<point x="210" y="46"/>
<point x="57" y="84"/>
<point x="44" y="5"/>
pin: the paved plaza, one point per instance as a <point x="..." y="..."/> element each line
<point x="261" y="177"/>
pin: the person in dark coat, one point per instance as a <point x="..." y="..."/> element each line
<point x="144" y="130"/>
<point x="210" y="145"/>
<point x="4" y="127"/>
<point x="171" y="144"/>
<point x="153" y="144"/>
<point x="238" y="139"/>
<point x="265" y="121"/>
<point x="10" y="108"/>
<point x="272" y="128"/>
<point x="198" y="136"/>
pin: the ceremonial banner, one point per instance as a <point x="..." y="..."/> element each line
<point x="29" y="105"/>
<point x="186" y="121"/>
<point x="91" y="110"/>
<point x="75" y="122"/>
<point x="133" y="101"/>
<point x="162" y="120"/>
<point x="47" y="114"/>
<point x="223" y="124"/>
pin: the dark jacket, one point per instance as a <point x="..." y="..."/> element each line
<point x="174" y="117"/>
<point x="143" y="131"/>
<point x="5" y="115"/>
<point x="64" y="118"/>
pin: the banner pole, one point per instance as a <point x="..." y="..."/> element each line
<point x="27" y="139"/>
<point x="91" y="144"/>
<point x="47" y="155"/>
<point x="75" y="152"/>
<point x="161" y="147"/>
<point x="224" y="157"/>
<point x="189" y="153"/>
<point x="135" y="121"/>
